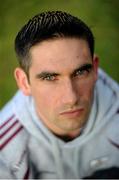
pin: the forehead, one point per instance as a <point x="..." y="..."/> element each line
<point x="60" y="54"/>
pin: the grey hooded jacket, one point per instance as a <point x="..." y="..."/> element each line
<point x="29" y="150"/>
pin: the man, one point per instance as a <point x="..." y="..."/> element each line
<point x="64" y="120"/>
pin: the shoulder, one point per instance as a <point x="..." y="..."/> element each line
<point x="107" y="97"/>
<point x="10" y="125"/>
<point x="11" y="106"/>
<point x="10" y="129"/>
<point x="13" y="135"/>
<point x="105" y="81"/>
<point x="8" y="113"/>
<point x="107" y="103"/>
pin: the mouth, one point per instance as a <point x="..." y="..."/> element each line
<point x="73" y="113"/>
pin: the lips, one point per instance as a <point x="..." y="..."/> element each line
<point x="73" y="113"/>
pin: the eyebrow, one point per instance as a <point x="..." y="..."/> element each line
<point x="80" y="68"/>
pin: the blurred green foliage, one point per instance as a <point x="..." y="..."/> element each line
<point x="101" y="15"/>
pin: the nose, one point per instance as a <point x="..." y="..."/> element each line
<point x="69" y="93"/>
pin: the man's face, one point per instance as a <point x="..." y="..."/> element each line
<point x="62" y="78"/>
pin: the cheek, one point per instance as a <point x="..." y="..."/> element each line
<point x="86" y="90"/>
<point x="45" y="99"/>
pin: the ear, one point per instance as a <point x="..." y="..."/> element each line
<point x="22" y="81"/>
<point x="96" y="65"/>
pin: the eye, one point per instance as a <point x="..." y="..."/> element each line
<point x="83" y="71"/>
<point x="49" y="77"/>
<point x="79" y="72"/>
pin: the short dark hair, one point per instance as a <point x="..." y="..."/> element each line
<point x="49" y="25"/>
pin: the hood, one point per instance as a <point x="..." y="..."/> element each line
<point x="48" y="147"/>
